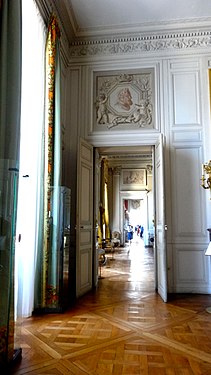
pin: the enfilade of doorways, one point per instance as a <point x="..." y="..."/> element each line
<point x="131" y="261"/>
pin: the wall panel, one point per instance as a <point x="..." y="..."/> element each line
<point x="188" y="207"/>
<point x="191" y="269"/>
<point x="187" y="193"/>
<point x="185" y="91"/>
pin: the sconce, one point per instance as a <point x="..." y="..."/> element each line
<point x="206" y="170"/>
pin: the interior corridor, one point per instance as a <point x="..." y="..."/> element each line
<point x="133" y="264"/>
<point x="122" y="327"/>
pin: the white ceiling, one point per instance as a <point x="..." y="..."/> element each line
<point x="101" y="17"/>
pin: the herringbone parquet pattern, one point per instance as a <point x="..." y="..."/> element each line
<point x="122" y="328"/>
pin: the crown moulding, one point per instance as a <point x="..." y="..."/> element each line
<point x="144" y="43"/>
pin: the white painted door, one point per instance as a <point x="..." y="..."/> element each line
<point x="84" y="221"/>
<point x="160" y="237"/>
<point x="97" y="168"/>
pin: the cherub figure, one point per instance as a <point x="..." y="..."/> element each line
<point x="102" y="110"/>
<point x="142" y="115"/>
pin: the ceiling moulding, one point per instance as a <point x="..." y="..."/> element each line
<point x="147" y="150"/>
<point x="173" y="41"/>
<point x="71" y="22"/>
<point x="64" y="17"/>
<point x="145" y="27"/>
<point x="128" y="157"/>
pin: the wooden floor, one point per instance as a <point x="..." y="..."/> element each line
<point x="122" y="328"/>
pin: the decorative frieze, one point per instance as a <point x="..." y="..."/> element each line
<point x="146" y="43"/>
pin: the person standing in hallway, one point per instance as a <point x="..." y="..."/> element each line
<point x="130" y="233"/>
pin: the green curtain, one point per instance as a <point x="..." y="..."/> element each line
<point x="47" y="273"/>
<point x="10" y="104"/>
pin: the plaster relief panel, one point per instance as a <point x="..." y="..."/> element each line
<point x="133" y="179"/>
<point x="124" y="100"/>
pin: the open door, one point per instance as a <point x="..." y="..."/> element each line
<point x="160" y="237"/>
<point x="84" y="220"/>
<point x="97" y="169"/>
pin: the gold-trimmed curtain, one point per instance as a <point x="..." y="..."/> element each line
<point x="104" y="211"/>
<point x="52" y="166"/>
<point x="47" y="273"/>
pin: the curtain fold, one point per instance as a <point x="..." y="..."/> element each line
<point x="10" y="100"/>
<point x="104" y="211"/>
<point x="10" y="80"/>
<point x="47" y="284"/>
<point x="29" y="215"/>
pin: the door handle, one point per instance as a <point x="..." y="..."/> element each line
<point x="86" y="227"/>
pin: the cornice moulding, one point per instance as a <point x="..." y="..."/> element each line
<point x="190" y="40"/>
<point x="153" y="27"/>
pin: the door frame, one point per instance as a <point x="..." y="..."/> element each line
<point x="141" y="144"/>
<point x="160" y="219"/>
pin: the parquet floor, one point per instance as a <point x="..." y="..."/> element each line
<point x="122" y="328"/>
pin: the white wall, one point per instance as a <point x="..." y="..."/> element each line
<point x="182" y="115"/>
<point x="187" y="147"/>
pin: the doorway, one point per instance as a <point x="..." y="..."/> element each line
<point x="135" y="207"/>
<point x="119" y="157"/>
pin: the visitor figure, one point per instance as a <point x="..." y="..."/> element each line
<point x="130" y="234"/>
